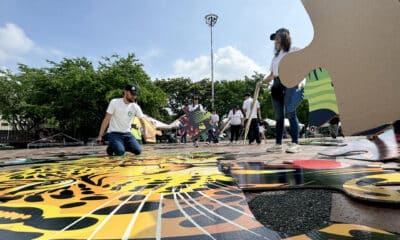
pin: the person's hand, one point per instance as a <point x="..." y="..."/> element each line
<point x="99" y="139"/>
<point x="145" y="133"/>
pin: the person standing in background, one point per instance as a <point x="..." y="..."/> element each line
<point x="253" y="133"/>
<point x="236" y="117"/>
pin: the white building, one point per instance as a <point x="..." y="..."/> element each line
<point x="4" y="125"/>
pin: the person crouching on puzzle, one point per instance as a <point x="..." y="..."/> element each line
<point x="118" y="118"/>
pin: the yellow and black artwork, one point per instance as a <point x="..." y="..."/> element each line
<point x="168" y="196"/>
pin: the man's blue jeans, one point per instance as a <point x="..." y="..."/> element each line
<point x="293" y="97"/>
<point x="118" y="142"/>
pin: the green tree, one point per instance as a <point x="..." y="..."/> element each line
<point x="23" y="98"/>
<point x="178" y="92"/>
<point x="74" y="96"/>
<point x="115" y="72"/>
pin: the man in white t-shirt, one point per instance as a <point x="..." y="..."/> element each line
<point x="253" y="130"/>
<point x="119" y="116"/>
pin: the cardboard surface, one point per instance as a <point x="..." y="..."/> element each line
<point x="357" y="42"/>
<point x="345" y="210"/>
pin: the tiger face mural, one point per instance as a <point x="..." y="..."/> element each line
<point x="168" y="196"/>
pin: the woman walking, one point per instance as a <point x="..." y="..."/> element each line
<point x="284" y="100"/>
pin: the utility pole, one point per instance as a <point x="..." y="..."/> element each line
<point x="211" y="20"/>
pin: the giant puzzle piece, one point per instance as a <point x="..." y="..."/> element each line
<point x="151" y="130"/>
<point x="170" y="196"/>
<point x="357" y="42"/>
<point x="167" y="196"/>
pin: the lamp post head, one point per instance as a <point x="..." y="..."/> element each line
<point x="211" y="19"/>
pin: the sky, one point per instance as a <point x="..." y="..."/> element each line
<point x="169" y="37"/>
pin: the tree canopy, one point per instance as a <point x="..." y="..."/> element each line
<point x="72" y="95"/>
<point x="227" y="94"/>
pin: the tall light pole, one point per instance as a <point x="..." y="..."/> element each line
<point x="211" y="20"/>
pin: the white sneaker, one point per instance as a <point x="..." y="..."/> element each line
<point x="275" y="148"/>
<point x="293" y="148"/>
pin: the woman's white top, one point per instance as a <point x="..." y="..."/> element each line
<point x="277" y="59"/>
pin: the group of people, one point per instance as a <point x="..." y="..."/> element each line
<point x="237" y="120"/>
<point x="121" y="111"/>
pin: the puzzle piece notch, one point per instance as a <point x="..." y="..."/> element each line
<point x="357" y="43"/>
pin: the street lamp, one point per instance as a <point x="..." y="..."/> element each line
<point x="211" y="20"/>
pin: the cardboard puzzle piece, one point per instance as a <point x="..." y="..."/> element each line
<point x="171" y="196"/>
<point x="357" y="42"/>
<point x="166" y="196"/>
<point x="151" y="130"/>
<point x="365" y="182"/>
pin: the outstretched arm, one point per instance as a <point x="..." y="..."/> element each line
<point x="143" y="126"/>
<point x="103" y="127"/>
<point x="267" y="79"/>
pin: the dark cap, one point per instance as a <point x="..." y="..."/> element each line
<point x="132" y="88"/>
<point x="247" y="95"/>
<point x="280" y="30"/>
<point x="196" y="97"/>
